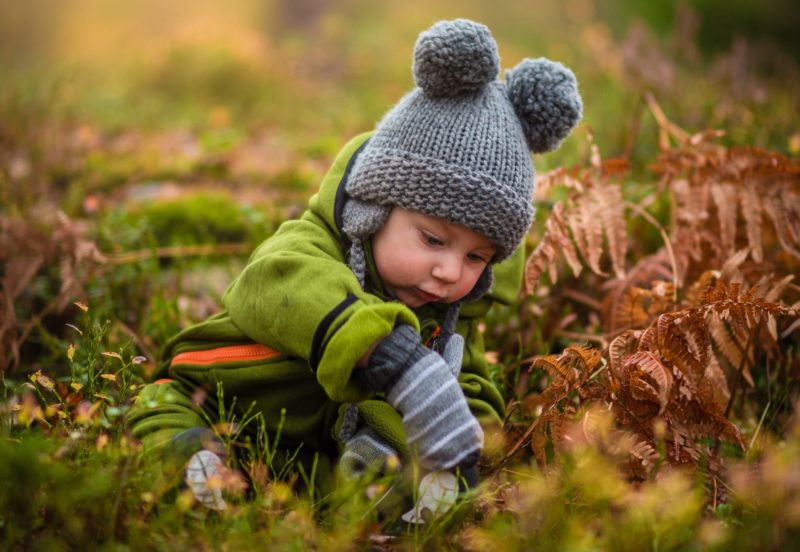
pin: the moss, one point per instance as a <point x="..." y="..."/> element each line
<point x="201" y="218"/>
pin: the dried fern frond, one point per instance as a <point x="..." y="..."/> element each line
<point x="638" y="306"/>
<point x="570" y="366"/>
<point x="610" y="206"/>
<point x="569" y="371"/>
<point x="646" y="379"/>
<point x="556" y="241"/>
<point x="743" y="184"/>
<point x="594" y="210"/>
<point x="669" y="371"/>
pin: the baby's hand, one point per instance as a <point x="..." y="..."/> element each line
<point x="421" y="386"/>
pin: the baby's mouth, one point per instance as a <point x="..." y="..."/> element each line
<point x="427" y="297"/>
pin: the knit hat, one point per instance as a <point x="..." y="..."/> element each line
<point x="458" y="146"/>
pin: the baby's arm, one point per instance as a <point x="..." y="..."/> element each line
<point x="297" y="295"/>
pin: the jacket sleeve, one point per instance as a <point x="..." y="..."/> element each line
<point x="297" y="295"/>
<point x="485" y="399"/>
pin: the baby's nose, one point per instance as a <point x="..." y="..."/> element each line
<point x="447" y="269"/>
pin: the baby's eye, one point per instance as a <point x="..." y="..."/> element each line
<point x="432" y="240"/>
<point x="474" y="257"/>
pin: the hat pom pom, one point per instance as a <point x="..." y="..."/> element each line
<point x="545" y="97"/>
<point x="454" y="57"/>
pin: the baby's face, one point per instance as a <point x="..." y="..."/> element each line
<point x="424" y="259"/>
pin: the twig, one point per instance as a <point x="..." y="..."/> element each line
<point x="179" y="251"/>
<point x="145" y="348"/>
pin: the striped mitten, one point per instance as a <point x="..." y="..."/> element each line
<point x="421" y="386"/>
<point x="365" y="450"/>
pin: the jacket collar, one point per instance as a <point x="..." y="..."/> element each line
<point x="329" y="201"/>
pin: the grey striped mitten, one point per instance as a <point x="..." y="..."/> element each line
<point x="421" y="386"/>
<point x="365" y="450"/>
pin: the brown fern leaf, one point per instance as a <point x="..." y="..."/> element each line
<point x="570" y="370"/>
<point x="622" y="345"/>
<point x="610" y="207"/>
<point x="639" y="306"/>
<point x="743" y="312"/>
<point x="704" y="417"/>
<point x="673" y="346"/>
<point x="731" y="268"/>
<point x="555" y="178"/>
<point x="730" y="350"/>
<point x="717" y="381"/>
<point x="747" y="180"/>
<point x="752" y="210"/>
<point x="695" y="332"/>
<point x="776" y="290"/>
<point x="567" y="248"/>
<point x="687" y="246"/>
<point x="691" y="201"/>
<point x="586" y="224"/>
<point x="649" y="269"/>
<point x="554" y="242"/>
<point x="644" y="459"/>
<point x="726" y="199"/>
<point x="647" y="379"/>
<point x="698" y="290"/>
<point x="785" y="223"/>
<point x="571" y="365"/>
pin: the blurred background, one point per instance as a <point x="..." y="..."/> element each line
<point x="264" y="88"/>
<point x="131" y="126"/>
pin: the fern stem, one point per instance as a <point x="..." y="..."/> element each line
<point x="740" y="371"/>
<point x="667" y="243"/>
<point x="663" y="122"/>
<point x="590" y="302"/>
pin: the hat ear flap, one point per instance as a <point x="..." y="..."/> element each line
<point x="545" y="97"/>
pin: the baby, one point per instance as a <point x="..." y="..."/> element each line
<point x="355" y="328"/>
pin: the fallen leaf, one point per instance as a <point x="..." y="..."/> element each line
<point x="43" y="380"/>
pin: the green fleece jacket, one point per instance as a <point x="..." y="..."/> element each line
<point x="298" y="297"/>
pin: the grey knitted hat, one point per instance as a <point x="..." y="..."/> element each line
<point x="458" y="146"/>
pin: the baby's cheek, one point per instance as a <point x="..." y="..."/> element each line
<point x="469" y="281"/>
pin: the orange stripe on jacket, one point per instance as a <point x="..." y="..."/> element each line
<point x="231" y="353"/>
